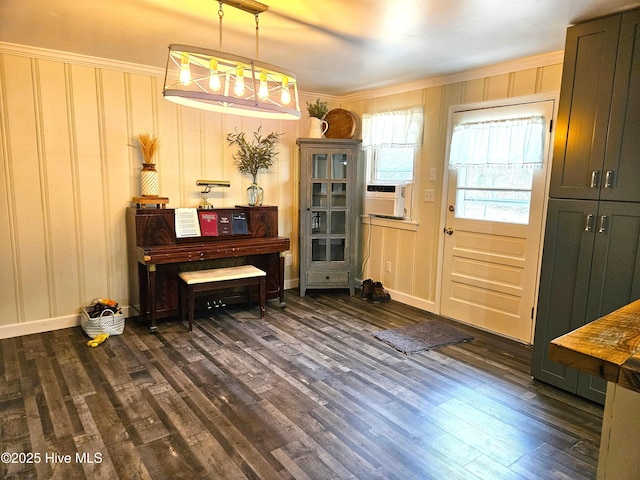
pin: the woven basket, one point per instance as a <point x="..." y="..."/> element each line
<point x="107" y="322"/>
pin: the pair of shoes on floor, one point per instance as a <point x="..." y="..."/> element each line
<point x="374" y="291"/>
<point x="366" y="289"/>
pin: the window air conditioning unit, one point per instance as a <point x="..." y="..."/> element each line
<point x="388" y="200"/>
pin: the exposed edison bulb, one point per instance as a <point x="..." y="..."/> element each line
<point x="214" y="76"/>
<point x="285" y="96"/>
<point x="185" y="71"/>
<point x="238" y="89"/>
<point x="263" y="90"/>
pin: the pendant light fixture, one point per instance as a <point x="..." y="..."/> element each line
<point x="223" y="82"/>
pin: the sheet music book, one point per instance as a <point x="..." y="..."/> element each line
<point x="224" y="223"/>
<point x="208" y="223"/>
<point x="239" y="225"/>
<point x="187" y="224"/>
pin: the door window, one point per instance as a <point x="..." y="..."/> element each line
<point x="495" y="160"/>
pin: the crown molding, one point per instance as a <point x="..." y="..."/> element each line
<point x="552" y="58"/>
<point x="536" y="61"/>
<point x="78" y="59"/>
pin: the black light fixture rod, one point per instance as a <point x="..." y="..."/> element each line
<point x="250" y="6"/>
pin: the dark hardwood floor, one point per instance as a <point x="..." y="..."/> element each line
<point x="307" y="394"/>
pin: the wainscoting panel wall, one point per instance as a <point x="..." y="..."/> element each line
<point x="70" y="166"/>
<point x="413" y="253"/>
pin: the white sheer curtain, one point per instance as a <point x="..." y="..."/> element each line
<point x="498" y="143"/>
<point x="397" y="128"/>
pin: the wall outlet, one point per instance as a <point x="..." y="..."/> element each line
<point x="429" y="195"/>
<point x="388" y="267"/>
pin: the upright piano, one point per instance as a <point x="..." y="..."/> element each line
<point x="156" y="256"/>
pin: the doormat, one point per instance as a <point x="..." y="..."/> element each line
<point x="423" y="336"/>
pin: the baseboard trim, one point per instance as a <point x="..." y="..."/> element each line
<point x="412" y="301"/>
<point x="44" y="325"/>
<point x="68" y="321"/>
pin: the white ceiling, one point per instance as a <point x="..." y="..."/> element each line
<point x="335" y="47"/>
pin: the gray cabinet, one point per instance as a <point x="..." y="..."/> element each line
<point x="598" y="128"/>
<point x="329" y="212"/>
<point x="621" y="169"/>
<point x="591" y="255"/>
<point x="590" y="267"/>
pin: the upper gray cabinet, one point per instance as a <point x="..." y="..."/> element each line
<point x="598" y="128"/>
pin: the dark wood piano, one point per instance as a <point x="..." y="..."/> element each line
<point x="156" y="256"/>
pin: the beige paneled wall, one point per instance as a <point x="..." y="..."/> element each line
<point x="413" y="250"/>
<point x="70" y="168"/>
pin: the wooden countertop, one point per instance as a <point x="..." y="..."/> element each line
<point x="608" y="348"/>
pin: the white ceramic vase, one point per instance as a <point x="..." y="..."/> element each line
<point x="318" y="128"/>
<point x="149" y="180"/>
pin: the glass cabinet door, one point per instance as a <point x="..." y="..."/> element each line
<point x="339" y="194"/>
<point x="339" y="166"/>
<point x="329" y="215"/>
<point x="319" y="194"/>
<point x="319" y="164"/>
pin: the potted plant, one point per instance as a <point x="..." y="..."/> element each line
<point x="317" y="111"/>
<point x="253" y="156"/>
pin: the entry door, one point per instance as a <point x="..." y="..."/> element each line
<point x="492" y="237"/>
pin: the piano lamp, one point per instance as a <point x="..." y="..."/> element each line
<point x="208" y="185"/>
<point x="222" y="82"/>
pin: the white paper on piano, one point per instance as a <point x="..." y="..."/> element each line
<point x="187" y="223"/>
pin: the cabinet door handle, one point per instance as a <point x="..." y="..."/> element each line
<point x="603" y="224"/>
<point x="588" y="226"/>
<point x="608" y="177"/>
<point x="595" y="174"/>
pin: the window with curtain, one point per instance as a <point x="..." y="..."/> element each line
<point x="390" y="140"/>
<point x="494" y="162"/>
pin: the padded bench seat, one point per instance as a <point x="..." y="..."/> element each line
<point x="216" y="279"/>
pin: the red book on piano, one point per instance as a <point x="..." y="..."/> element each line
<point x="208" y="223"/>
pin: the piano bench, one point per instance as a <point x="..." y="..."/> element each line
<point x="200" y="281"/>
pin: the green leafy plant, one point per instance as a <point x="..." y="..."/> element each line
<point x="318" y="109"/>
<point x="255" y="155"/>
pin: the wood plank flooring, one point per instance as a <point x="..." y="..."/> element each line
<point x="308" y="393"/>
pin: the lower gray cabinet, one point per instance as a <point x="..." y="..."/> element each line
<point x="590" y="267"/>
<point x="329" y="212"/>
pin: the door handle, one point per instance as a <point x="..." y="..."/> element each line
<point x="448" y="230"/>
<point x="595" y="175"/>
<point x="608" y="178"/>
<point x="589" y="222"/>
<point x="603" y="224"/>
